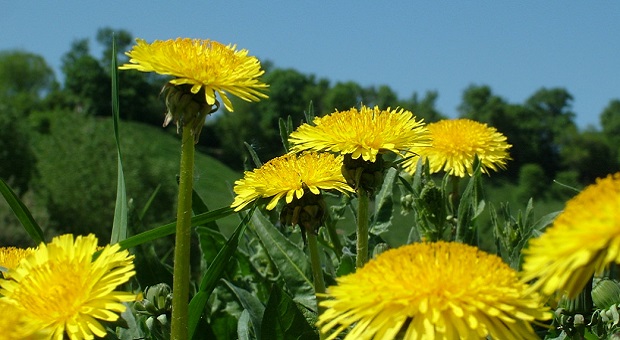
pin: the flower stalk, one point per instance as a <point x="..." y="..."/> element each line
<point x="317" y="270"/>
<point x="181" y="274"/>
<point x="362" y="227"/>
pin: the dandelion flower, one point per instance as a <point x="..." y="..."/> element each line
<point x="289" y="176"/>
<point x="456" y="143"/>
<point x="62" y="287"/>
<point x="10" y="257"/>
<point x="15" y="326"/>
<point x="432" y="291"/>
<point x="583" y="240"/>
<point x="361" y="133"/>
<point x="204" y="65"/>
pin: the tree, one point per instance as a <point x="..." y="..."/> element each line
<point x="610" y="121"/>
<point x="590" y="155"/>
<point x="425" y="108"/>
<point x="344" y="96"/>
<point x="86" y="82"/>
<point x="290" y="93"/>
<point x="537" y="130"/>
<point x="383" y="97"/>
<point x="25" y="79"/>
<point x="17" y="158"/>
<point x="480" y="104"/>
<point x="552" y="120"/>
<point x="121" y="37"/>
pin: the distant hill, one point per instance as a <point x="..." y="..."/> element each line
<point x="76" y="173"/>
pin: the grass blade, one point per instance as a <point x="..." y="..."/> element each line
<point x="119" y="226"/>
<point x="22" y="213"/>
<point x="169" y="229"/>
<point x="255" y="158"/>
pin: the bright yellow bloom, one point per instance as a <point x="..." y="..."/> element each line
<point x="432" y="291"/>
<point x="584" y="239"/>
<point x="203" y="64"/>
<point x="361" y="133"/>
<point x="456" y="143"/>
<point x="61" y="287"/>
<point x="10" y="256"/>
<point x="15" y="326"/>
<point x="289" y="176"/>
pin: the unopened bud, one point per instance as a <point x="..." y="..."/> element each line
<point x="606" y="293"/>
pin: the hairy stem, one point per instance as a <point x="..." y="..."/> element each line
<point x="362" y="228"/>
<point x="181" y="278"/>
<point x="317" y="269"/>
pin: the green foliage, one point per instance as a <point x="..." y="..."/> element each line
<point x="119" y="226"/>
<point x="87" y="84"/>
<point x="25" y="78"/>
<point x="610" y="121"/>
<point x="290" y="261"/>
<point x="532" y="182"/>
<point x="252" y="277"/>
<point x="257" y="123"/>
<point x="22" y="213"/>
<point x="16" y="155"/>
<point x="282" y="319"/>
<point x="344" y="96"/>
<point x="512" y="234"/>
<point x="424" y="108"/>
<point x="589" y="154"/>
<point x="77" y="173"/>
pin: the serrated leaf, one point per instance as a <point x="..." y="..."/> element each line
<point x="346" y="266"/>
<point x="468" y="208"/>
<point x="282" y="319"/>
<point x="251" y="304"/>
<point x="121" y="208"/>
<point x="213" y="275"/>
<point x="543" y="222"/>
<point x="22" y="213"/>
<point x="384" y="204"/>
<point x="291" y="261"/>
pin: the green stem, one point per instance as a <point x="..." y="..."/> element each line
<point x="455" y="195"/>
<point x="333" y="236"/>
<point x="181" y="278"/>
<point x="362" y="228"/>
<point x="317" y="269"/>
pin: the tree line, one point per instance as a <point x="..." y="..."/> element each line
<point x="546" y="142"/>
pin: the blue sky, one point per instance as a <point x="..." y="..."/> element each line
<point x="514" y="47"/>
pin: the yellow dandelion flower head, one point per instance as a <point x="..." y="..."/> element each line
<point x="203" y="64"/>
<point x="583" y="240"/>
<point x="10" y="257"/>
<point x="61" y="287"/>
<point x="361" y="133"/>
<point x="14" y="324"/>
<point x="436" y="290"/>
<point x="456" y="143"/>
<point x="288" y="176"/>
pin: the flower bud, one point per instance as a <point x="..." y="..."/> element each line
<point x="606" y="293"/>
